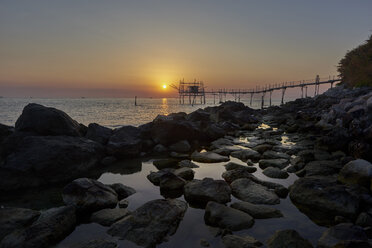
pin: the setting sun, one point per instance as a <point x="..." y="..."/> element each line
<point x="164" y="86"/>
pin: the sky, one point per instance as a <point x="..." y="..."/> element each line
<point x="117" y="48"/>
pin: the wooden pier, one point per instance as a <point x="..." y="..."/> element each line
<point x="196" y="90"/>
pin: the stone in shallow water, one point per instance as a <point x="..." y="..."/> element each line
<point x="287" y="238"/>
<point x="122" y="190"/>
<point x="180" y="146"/>
<point x="166" y="163"/>
<point x="96" y="243"/>
<point x="108" y="216"/>
<point x="322" y="168"/>
<point x="247" y="190"/>
<point x="15" y="218"/>
<point x="225" y="217"/>
<point x="277" y="163"/>
<point x="151" y="223"/>
<point x="233" y="166"/>
<point x="185" y="173"/>
<point x="208" y="157"/>
<point x="356" y="172"/>
<point x="187" y="164"/>
<point x="123" y="203"/>
<point x="200" y="192"/>
<point x="246" y="154"/>
<point x="232" y="175"/>
<point x="52" y="226"/>
<point x="274" y="154"/>
<point x="235" y="241"/>
<point x="275" y="173"/>
<point x="257" y="211"/>
<point x="169" y="182"/>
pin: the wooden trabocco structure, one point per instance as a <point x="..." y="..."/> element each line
<point x="191" y="90"/>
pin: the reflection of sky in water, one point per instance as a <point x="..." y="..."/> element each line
<point x="192" y="228"/>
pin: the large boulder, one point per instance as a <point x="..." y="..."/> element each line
<point x="151" y="223"/>
<point x="5" y="131"/>
<point x="15" y="218"/>
<point x="322" y="168"/>
<point x="52" y="226"/>
<point x="43" y="160"/>
<point x="247" y="190"/>
<point x="108" y="216"/>
<point x="125" y="142"/>
<point x="89" y="195"/>
<point x="356" y="172"/>
<point x="323" y="199"/>
<point x="208" y="157"/>
<point x="288" y="238"/>
<point x="43" y="120"/>
<point x="200" y="192"/>
<point x="219" y="215"/>
<point x="98" y="133"/>
<point x="343" y="235"/>
<point x="257" y="211"/>
<point x="180" y="146"/>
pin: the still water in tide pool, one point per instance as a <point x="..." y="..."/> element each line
<point x="193" y="228"/>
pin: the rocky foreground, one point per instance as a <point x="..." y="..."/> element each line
<point x="331" y="155"/>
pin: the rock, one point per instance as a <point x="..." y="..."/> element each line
<point x="184" y="173"/>
<point x="89" y="195"/>
<point x="39" y="160"/>
<point x="247" y="190"/>
<point x="322" y="199"/>
<point x="208" y="157"/>
<point x="125" y="142"/>
<point x="155" y="177"/>
<point x="341" y="235"/>
<point x="123" y="203"/>
<point x="97" y="243"/>
<point x="109" y="160"/>
<point x="233" y="166"/>
<point x="356" y="172"/>
<point x="179" y="155"/>
<point x="235" y="241"/>
<point x="180" y="146"/>
<point x="171" y="182"/>
<point x="246" y="154"/>
<point x="364" y="220"/>
<point x="221" y="216"/>
<point x="15" y="218"/>
<point x="98" y="133"/>
<point x="187" y="164"/>
<point x="159" y="148"/>
<point x="262" y="148"/>
<point x="232" y="175"/>
<point x="108" y="216"/>
<point x="151" y="223"/>
<point x="204" y="243"/>
<point x="277" y="163"/>
<point x="274" y="155"/>
<point x="166" y="163"/>
<point x="275" y="173"/>
<point x="227" y="150"/>
<point x="122" y="190"/>
<point x="200" y="192"/>
<point x="322" y="168"/>
<point x="257" y="211"/>
<point x="287" y="238"/>
<point x="42" y="120"/>
<point x="5" y="131"/>
<point x="369" y="103"/>
<point x="52" y="226"/>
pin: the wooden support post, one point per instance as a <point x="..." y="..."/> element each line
<point x="283" y="92"/>
<point x="263" y="99"/>
<point x="271" y="92"/>
<point x="251" y="98"/>
<point x="306" y="91"/>
<point x="135" y="101"/>
<point x="302" y="91"/>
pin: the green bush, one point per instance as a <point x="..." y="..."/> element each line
<point x="356" y="67"/>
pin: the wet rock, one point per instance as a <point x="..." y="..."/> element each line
<point x="179" y="155"/>
<point x="125" y="142"/>
<point x="123" y="203"/>
<point x="166" y="163"/>
<point x="246" y="154"/>
<point x="187" y="164"/>
<point x="227" y="150"/>
<point x="208" y="157"/>
<point x="262" y="148"/>
<point x="89" y="195"/>
<point x="247" y="190"/>
<point x="122" y="190"/>
<point x="184" y="173"/>
<point x="5" y="131"/>
<point x="323" y="199"/>
<point x="96" y="243"/>
<point x="15" y="218"/>
<point x="274" y="155"/>
<point x="322" y="168"/>
<point x="220" y="143"/>
<point x="52" y="226"/>
<point x="356" y="172"/>
<point x="170" y="182"/>
<point x="275" y="173"/>
<point x="287" y="238"/>
<point x="233" y="166"/>
<point x="151" y="223"/>
<point x="41" y="120"/>
<point x="257" y="211"/>
<point x="180" y="146"/>
<point x="235" y="241"/>
<point x="98" y="133"/>
<point x="159" y="148"/>
<point x="232" y="175"/>
<point x="364" y="219"/>
<point x="155" y="177"/>
<point x="221" y="216"/>
<point x="108" y="216"/>
<point x="200" y="192"/>
<point x="277" y="163"/>
<point x="342" y="235"/>
<point x="204" y="243"/>
<point x="43" y="160"/>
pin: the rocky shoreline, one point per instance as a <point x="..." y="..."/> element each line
<point x="326" y="141"/>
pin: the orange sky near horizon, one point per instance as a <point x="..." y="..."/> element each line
<point x="122" y="49"/>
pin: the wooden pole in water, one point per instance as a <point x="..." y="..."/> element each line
<point x="135" y="101"/>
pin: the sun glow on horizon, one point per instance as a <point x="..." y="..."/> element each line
<point x="164" y="86"/>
